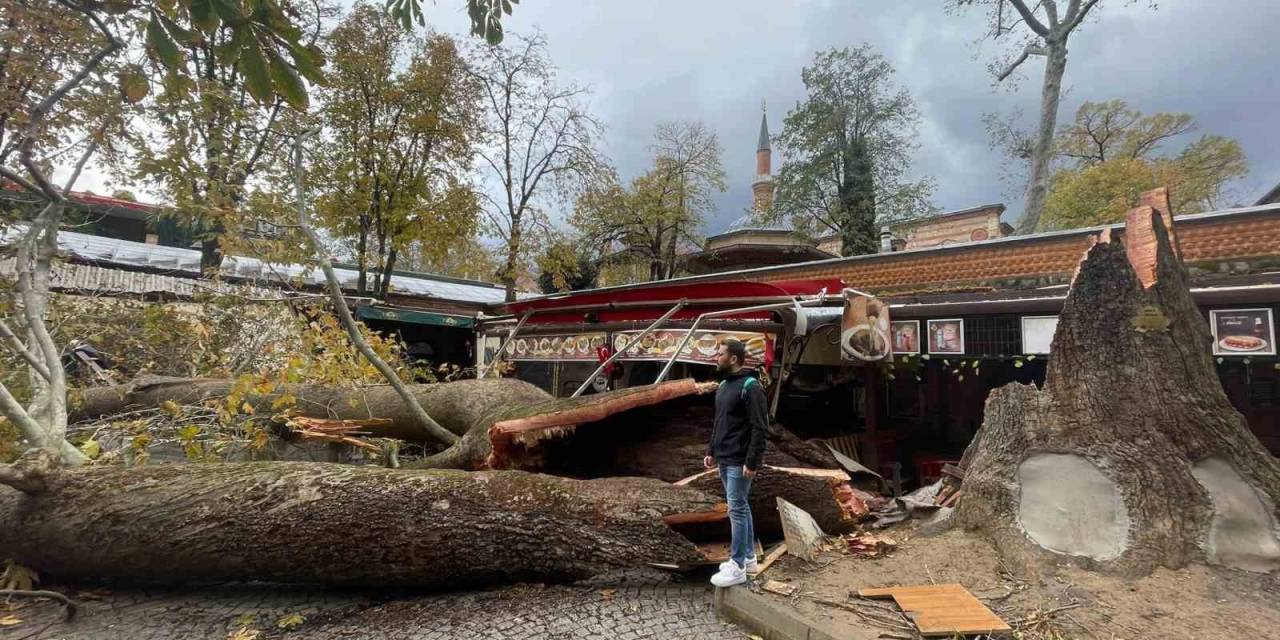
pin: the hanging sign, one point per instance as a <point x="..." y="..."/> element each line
<point x="864" y="328"/>
<point x="701" y="349"/>
<point x="580" y="346"/>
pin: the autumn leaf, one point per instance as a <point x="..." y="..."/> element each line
<point x="91" y="449"/>
<point x="10" y="620"/>
<point x="244" y="633"/>
<point x="290" y="621"/>
<point x="133" y="85"/>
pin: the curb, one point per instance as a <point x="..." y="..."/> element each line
<point x="766" y="618"/>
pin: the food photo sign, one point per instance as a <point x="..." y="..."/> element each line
<point x="701" y="349"/>
<point x="583" y="346"/>
<point x="1243" y="332"/>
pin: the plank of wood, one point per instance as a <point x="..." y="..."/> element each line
<point x="941" y="610"/>
<point x="768" y="560"/>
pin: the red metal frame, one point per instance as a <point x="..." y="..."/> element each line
<point x="649" y="303"/>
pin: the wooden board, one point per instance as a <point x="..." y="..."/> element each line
<point x="942" y="609"/>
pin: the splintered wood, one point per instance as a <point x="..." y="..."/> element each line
<point x="338" y="431"/>
<point x="942" y="609"/>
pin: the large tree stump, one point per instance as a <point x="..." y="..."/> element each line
<point x="317" y="523"/>
<point x="1130" y="457"/>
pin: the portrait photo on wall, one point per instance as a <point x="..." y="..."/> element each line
<point x="905" y="335"/>
<point x="946" y="336"/>
<point x="1242" y="332"/>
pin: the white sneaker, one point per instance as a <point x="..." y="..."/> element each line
<point x="751" y="567"/>
<point x="729" y="576"/>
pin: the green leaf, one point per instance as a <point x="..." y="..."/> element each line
<point x="1030" y="358"/>
<point x="134" y="85"/>
<point x="287" y="84"/>
<point x="308" y="60"/>
<point x="230" y="11"/>
<point x="1017" y="364"/>
<point x="183" y="35"/>
<point x="256" y="76"/>
<point x="203" y="17"/>
<point x="159" y="42"/>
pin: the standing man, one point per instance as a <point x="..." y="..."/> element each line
<point x="737" y="447"/>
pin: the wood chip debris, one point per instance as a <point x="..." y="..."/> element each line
<point x="780" y="588"/>
<point x="869" y="544"/>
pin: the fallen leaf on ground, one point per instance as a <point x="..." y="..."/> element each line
<point x="290" y="621"/>
<point x="608" y="594"/>
<point x="9" y="621"/>
<point x="244" y="633"/>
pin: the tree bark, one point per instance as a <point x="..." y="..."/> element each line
<point x="825" y="494"/>
<point x="455" y="405"/>
<point x="1131" y="457"/>
<point x="316" y="523"/>
<point x="1042" y="153"/>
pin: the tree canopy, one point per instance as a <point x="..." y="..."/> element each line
<point x="1111" y="153"/>
<point x="401" y="122"/>
<point x="848" y="149"/>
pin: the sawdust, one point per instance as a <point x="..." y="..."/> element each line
<point x="1194" y="602"/>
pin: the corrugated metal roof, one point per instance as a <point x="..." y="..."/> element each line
<point x="175" y="260"/>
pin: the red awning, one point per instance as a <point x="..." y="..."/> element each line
<point x="650" y="302"/>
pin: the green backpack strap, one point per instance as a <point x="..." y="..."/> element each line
<point x="746" y="385"/>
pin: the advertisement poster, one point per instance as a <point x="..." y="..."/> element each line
<point x="946" y="336"/>
<point x="582" y="346"/>
<point x="660" y="344"/>
<point x="906" y="336"/>
<point x="1037" y="333"/>
<point x="1242" y="332"/>
<point x="864" y="328"/>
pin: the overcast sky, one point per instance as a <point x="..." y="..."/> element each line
<point x="649" y="61"/>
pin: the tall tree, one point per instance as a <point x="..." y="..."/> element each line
<point x="401" y="120"/>
<point x="1040" y="30"/>
<point x="217" y="119"/>
<point x="1113" y="153"/>
<point x="541" y="143"/>
<point x="264" y="33"/>
<point x="659" y="215"/>
<point x="848" y="148"/>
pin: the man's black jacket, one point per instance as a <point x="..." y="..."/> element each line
<point x="738" y="437"/>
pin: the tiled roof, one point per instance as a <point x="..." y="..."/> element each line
<point x="1017" y="261"/>
<point x="186" y="262"/>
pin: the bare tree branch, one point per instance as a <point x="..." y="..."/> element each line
<point x="15" y="345"/>
<point x="1029" y="17"/>
<point x="1030" y="50"/>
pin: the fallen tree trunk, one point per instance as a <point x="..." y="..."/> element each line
<point x="824" y="493"/>
<point x="456" y="406"/>
<point x="1131" y="457"/>
<point x="298" y="522"/>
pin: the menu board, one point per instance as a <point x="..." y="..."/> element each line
<point x="1242" y="332"/>
<point x="660" y="344"/>
<point x="578" y="346"/>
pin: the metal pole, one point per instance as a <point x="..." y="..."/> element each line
<point x="647" y="331"/>
<point x="795" y="302"/>
<point x="502" y="347"/>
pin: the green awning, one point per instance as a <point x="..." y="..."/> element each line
<point x="415" y="317"/>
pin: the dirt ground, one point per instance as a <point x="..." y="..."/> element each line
<point x="1194" y="602"/>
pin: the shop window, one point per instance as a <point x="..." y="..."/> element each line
<point x="993" y="336"/>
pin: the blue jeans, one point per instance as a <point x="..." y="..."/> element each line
<point x="736" y="489"/>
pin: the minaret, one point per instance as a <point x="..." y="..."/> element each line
<point x="763" y="185"/>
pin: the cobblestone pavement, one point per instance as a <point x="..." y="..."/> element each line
<point x="628" y="610"/>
